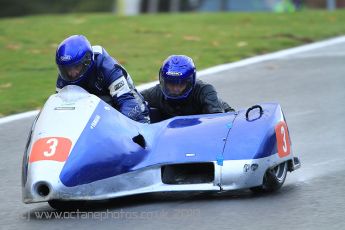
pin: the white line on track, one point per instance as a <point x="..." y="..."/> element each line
<point x="219" y="68"/>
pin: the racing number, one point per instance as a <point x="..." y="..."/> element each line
<point x="283" y="140"/>
<point x="51" y="148"/>
<point x="282" y="131"/>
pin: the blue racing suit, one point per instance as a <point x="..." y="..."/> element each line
<point x="109" y="78"/>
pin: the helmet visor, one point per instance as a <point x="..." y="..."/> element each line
<point x="75" y="71"/>
<point x="176" y="89"/>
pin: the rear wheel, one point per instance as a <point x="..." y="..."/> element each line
<point x="274" y="178"/>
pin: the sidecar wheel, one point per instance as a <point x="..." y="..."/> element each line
<point x="66" y="205"/>
<point x="274" y="179"/>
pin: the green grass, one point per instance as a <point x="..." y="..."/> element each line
<point x="141" y="43"/>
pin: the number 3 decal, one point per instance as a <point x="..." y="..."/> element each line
<point x="50" y="148"/>
<point x="283" y="139"/>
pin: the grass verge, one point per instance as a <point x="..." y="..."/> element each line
<point x="141" y="43"/>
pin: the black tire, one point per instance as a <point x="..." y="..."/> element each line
<point x="66" y="205"/>
<point x="273" y="180"/>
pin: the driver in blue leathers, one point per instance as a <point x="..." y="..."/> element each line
<point x="92" y="68"/>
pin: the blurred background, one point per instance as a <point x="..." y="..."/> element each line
<point x="11" y="8"/>
<point x="140" y="34"/>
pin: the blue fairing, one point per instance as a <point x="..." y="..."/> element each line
<point x="104" y="150"/>
<point x="108" y="149"/>
<point x="198" y="138"/>
<point x="253" y="139"/>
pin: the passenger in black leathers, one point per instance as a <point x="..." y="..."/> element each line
<point x="179" y="93"/>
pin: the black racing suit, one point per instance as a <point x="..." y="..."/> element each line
<point x="203" y="99"/>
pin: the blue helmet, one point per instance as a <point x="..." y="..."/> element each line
<point x="74" y="58"/>
<point x="177" y="77"/>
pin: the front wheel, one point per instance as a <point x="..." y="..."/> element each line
<point x="274" y="178"/>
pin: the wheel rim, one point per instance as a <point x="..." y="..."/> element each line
<point x="280" y="171"/>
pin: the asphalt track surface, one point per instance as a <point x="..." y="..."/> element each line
<point x="310" y="88"/>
